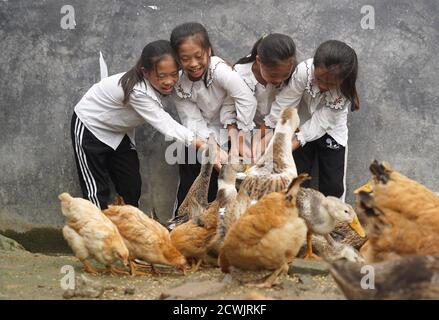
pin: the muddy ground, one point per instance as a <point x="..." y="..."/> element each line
<point x="25" y="275"/>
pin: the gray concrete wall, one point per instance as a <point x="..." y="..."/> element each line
<point x="45" y="70"/>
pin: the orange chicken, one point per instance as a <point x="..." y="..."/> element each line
<point x="267" y="236"/>
<point x="91" y="234"/>
<point x="145" y="238"/>
<point x="402" y="216"/>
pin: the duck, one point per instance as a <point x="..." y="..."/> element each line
<point x="273" y="172"/>
<point x="322" y="214"/>
<point x="196" y="200"/>
<point x="335" y="250"/>
<point x="343" y="233"/>
<point x="402" y="216"/>
<point x="226" y="198"/>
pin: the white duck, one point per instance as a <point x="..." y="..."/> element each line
<point x="322" y="214"/>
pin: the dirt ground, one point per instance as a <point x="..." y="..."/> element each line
<point x="25" y="275"/>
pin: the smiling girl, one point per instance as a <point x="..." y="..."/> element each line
<point x="265" y="71"/>
<point x="104" y="120"/>
<point x="206" y="80"/>
<point x="325" y="88"/>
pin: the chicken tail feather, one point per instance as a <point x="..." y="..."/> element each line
<point x="65" y="197"/>
<point x="294" y="186"/>
<point x="380" y="171"/>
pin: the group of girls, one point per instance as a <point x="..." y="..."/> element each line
<point x="216" y="103"/>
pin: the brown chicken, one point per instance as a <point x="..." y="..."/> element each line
<point x="267" y="236"/>
<point x="402" y="216"/>
<point x="145" y="238"/>
<point x="191" y="238"/>
<point x="91" y="234"/>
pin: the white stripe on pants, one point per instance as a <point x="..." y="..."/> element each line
<point x="89" y="180"/>
<point x="343" y="197"/>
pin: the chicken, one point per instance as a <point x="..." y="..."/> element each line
<point x="192" y="238"/>
<point x="409" y="278"/>
<point x="91" y="234"/>
<point x="145" y="238"/>
<point x="267" y="236"/>
<point x="321" y="215"/>
<point x="402" y="216"/>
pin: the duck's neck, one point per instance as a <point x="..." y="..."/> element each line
<point x="202" y="183"/>
<point x="226" y="184"/>
<point x="328" y="222"/>
<point x="280" y="150"/>
<point x="206" y="168"/>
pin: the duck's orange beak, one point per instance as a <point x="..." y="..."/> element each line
<point x="356" y="226"/>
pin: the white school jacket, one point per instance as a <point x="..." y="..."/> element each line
<point x="199" y="105"/>
<point x="320" y="112"/>
<point x="264" y="95"/>
<point x="102" y="112"/>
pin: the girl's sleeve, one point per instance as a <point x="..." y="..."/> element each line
<point x="191" y="117"/>
<point x="228" y="112"/>
<point x="321" y="121"/>
<point x="153" y="113"/>
<point x="242" y="99"/>
<point x="289" y="96"/>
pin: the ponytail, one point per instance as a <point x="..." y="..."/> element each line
<point x="271" y="49"/>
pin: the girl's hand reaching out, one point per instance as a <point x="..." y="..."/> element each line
<point x="221" y="158"/>
<point x="296" y="144"/>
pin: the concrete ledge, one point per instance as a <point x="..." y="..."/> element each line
<point x="310" y="267"/>
<point x="44" y="240"/>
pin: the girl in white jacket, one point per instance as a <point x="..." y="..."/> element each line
<point x="205" y="81"/>
<point x="265" y="71"/>
<point x="104" y="120"/>
<point x="323" y="88"/>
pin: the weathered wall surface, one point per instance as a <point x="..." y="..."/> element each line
<point x="45" y="70"/>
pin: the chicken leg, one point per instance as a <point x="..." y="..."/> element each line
<point x="115" y="271"/>
<point x="89" y="268"/>
<point x="270" y="280"/>
<point x="134" y="271"/>
<point x="196" y="265"/>
<point x="155" y="271"/>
